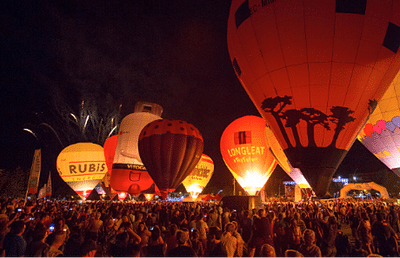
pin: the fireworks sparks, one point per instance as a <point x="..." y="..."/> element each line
<point x="90" y="124"/>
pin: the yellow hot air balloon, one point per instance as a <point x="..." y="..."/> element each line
<point x="381" y="134"/>
<point x="82" y="166"/>
<point x="199" y="177"/>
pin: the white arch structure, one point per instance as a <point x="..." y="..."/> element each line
<point x="364" y="186"/>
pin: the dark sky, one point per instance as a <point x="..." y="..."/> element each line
<point x="90" y="57"/>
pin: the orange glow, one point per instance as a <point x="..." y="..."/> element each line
<point x="199" y="177"/>
<point x="122" y="196"/>
<point x="253" y="181"/>
<point x="194" y="190"/>
<point x="149" y="196"/>
<point x="246" y="153"/>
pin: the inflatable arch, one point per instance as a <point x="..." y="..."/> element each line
<point x="364" y="186"/>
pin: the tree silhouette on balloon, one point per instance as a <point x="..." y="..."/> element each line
<point x="340" y="116"/>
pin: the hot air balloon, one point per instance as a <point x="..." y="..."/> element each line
<point x="109" y="151"/>
<point x="170" y="149"/>
<point x="82" y="166"/>
<point x="246" y="153"/>
<point x="128" y="173"/>
<point x="381" y="134"/>
<point x="282" y="160"/>
<point x="199" y="177"/>
<point x="314" y="70"/>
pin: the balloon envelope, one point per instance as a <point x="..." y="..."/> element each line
<point x="128" y="173"/>
<point x="246" y="153"/>
<point x="170" y="149"/>
<point x="381" y="134"/>
<point x="82" y="166"/>
<point x="283" y="161"/>
<point x="199" y="177"/>
<point x="313" y="70"/>
<point x="109" y="151"/>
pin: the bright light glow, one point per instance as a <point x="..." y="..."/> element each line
<point x="252" y="182"/>
<point x="149" y="196"/>
<point x="86" y="121"/>
<point x="194" y="190"/>
<point x="354" y="178"/>
<point x="76" y="119"/>
<point x="122" y="195"/>
<point x="31" y="132"/>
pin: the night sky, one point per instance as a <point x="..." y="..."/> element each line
<point x="101" y="57"/>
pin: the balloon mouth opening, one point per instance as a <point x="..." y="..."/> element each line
<point x="165" y="192"/>
<point x="317" y="164"/>
<point x="253" y="181"/>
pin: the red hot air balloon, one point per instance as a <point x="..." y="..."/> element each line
<point x="170" y="149"/>
<point x="314" y="70"/>
<point x="109" y="151"/>
<point x="246" y="153"/>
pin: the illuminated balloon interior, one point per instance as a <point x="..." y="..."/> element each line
<point x="381" y="134"/>
<point x="199" y="177"/>
<point x="245" y="152"/>
<point x="252" y="181"/>
<point x="82" y="166"/>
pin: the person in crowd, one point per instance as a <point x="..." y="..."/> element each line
<point x="229" y="241"/>
<point x="328" y="247"/>
<point x="309" y="247"/>
<point x="354" y="223"/>
<point x="183" y="249"/>
<point x="197" y="245"/>
<point x="70" y="247"/>
<point x="267" y="251"/>
<point x="14" y="244"/>
<point x="171" y="238"/>
<point x="382" y="231"/>
<point x="215" y="248"/>
<point x="37" y="247"/>
<point x="119" y="249"/>
<point x="156" y="246"/>
<point x="294" y="235"/>
<point x="246" y="224"/>
<point x="364" y="233"/>
<point x="202" y="227"/>
<point x="138" y="220"/>
<point x="95" y="224"/>
<point x="59" y="240"/>
<point x="357" y="250"/>
<point x="88" y="248"/>
<point x="279" y="231"/>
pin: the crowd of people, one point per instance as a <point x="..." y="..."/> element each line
<point x="50" y="228"/>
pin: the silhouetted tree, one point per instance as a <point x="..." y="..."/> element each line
<point x="340" y="116"/>
<point x="313" y="117"/>
<point x="292" y="117"/>
<point x="275" y="106"/>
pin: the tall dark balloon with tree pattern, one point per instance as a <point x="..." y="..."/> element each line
<point x="314" y="70"/>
